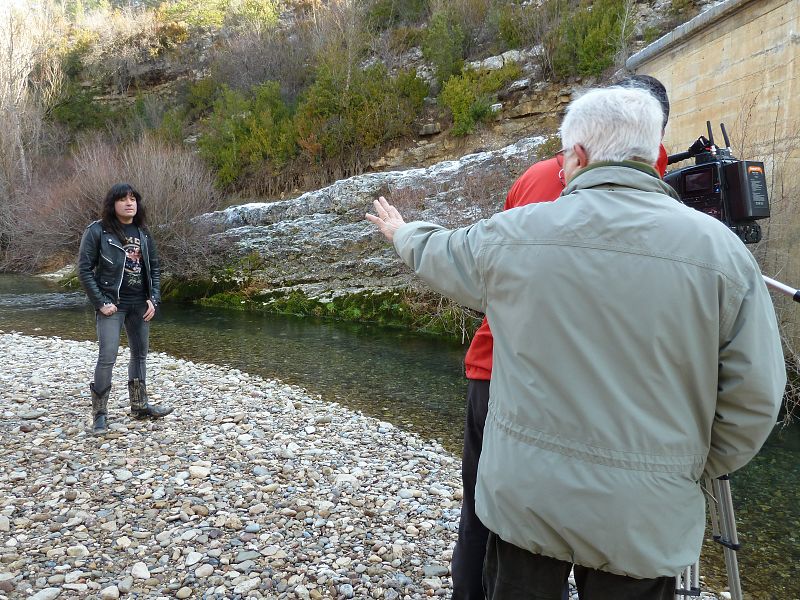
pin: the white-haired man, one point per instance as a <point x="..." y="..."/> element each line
<point x="656" y="361"/>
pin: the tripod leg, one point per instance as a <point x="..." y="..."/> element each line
<point x="688" y="584"/>
<point x="729" y="538"/>
<point x="723" y="526"/>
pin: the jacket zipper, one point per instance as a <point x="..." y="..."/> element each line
<point x="122" y="273"/>
<point x="146" y="259"/>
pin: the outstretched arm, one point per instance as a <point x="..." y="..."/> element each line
<point x="445" y="259"/>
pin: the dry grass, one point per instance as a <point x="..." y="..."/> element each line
<point x="121" y="38"/>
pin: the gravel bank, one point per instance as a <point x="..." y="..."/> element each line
<point x="250" y="489"/>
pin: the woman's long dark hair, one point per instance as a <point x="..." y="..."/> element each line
<point x="108" y="214"/>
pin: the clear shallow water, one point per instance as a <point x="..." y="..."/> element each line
<point x="411" y="380"/>
<point x="415" y="382"/>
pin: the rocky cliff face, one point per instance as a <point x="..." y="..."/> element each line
<point x="321" y="245"/>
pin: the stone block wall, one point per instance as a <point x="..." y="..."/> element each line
<point x="738" y="63"/>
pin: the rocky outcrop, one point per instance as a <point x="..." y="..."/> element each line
<point x="320" y="243"/>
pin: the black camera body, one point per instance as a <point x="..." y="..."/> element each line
<point x="718" y="184"/>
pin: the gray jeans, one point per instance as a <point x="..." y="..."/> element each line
<point x="108" y="334"/>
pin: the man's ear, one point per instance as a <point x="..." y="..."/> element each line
<point x="581" y="155"/>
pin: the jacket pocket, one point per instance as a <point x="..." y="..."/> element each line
<point x="104" y="257"/>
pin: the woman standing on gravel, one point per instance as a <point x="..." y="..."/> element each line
<point x="119" y="271"/>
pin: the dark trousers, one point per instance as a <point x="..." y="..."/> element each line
<point x="470" y="549"/>
<point x="468" y="555"/>
<point x="511" y="573"/>
<point x="108" y="334"/>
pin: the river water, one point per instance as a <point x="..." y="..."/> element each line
<point x="415" y="382"/>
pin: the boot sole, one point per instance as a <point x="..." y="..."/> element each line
<point x="143" y="416"/>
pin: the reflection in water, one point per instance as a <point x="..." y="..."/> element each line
<point x="416" y="382"/>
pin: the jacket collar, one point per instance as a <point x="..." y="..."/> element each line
<point x="627" y="173"/>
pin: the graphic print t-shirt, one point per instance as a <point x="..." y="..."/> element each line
<point x="133" y="289"/>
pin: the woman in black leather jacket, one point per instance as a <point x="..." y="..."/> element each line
<point x="119" y="270"/>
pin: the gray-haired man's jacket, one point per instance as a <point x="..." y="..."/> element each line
<point x="635" y="349"/>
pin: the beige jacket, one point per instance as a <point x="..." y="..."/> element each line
<point x="636" y="348"/>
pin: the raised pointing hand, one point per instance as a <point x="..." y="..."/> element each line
<point x="388" y="219"/>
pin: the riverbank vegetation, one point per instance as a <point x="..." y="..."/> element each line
<point x="262" y="97"/>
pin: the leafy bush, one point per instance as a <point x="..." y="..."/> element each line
<point x="385" y="14"/>
<point x="476" y="19"/>
<point x="651" y="34"/>
<point x="467" y="106"/>
<point x="197" y="13"/>
<point x="469" y="95"/>
<point x="586" y="43"/>
<point x="77" y="9"/>
<point x="172" y="34"/>
<point x="413" y="88"/>
<point x="79" y="110"/>
<point x="403" y="38"/>
<point x="79" y="46"/>
<point x="510" y="26"/>
<point x="256" y="14"/>
<point x="171" y="127"/>
<point x="344" y="115"/>
<point x="245" y="130"/>
<point x="199" y="97"/>
<point x="443" y="46"/>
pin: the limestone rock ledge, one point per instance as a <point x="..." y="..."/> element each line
<point x="320" y="243"/>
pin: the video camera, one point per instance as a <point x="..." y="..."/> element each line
<point x="718" y="184"/>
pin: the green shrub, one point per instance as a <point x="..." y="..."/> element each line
<point x="469" y="96"/>
<point x="77" y="9"/>
<point x="341" y="120"/>
<point x="402" y="38"/>
<point x="199" y="97"/>
<point x="246" y="130"/>
<point x="466" y="105"/>
<point x="197" y="13"/>
<point x="344" y="115"/>
<point x="509" y="26"/>
<point x="172" y="34"/>
<point x="80" y="111"/>
<point x="443" y="46"/>
<point x="79" y="45"/>
<point x="385" y="14"/>
<point x="651" y="34"/>
<point x="585" y="43"/>
<point x="171" y="127"/>
<point x="412" y="87"/>
<point x="254" y="13"/>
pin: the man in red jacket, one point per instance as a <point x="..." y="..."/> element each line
<point x="542" y="182"/>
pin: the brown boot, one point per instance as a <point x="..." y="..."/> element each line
<point x="99" y="410"/>
<point x="140" y="407"/>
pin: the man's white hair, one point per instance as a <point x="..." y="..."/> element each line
<point x="615" y="124"/>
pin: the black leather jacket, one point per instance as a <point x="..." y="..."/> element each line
<point x="101" y="263"/>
